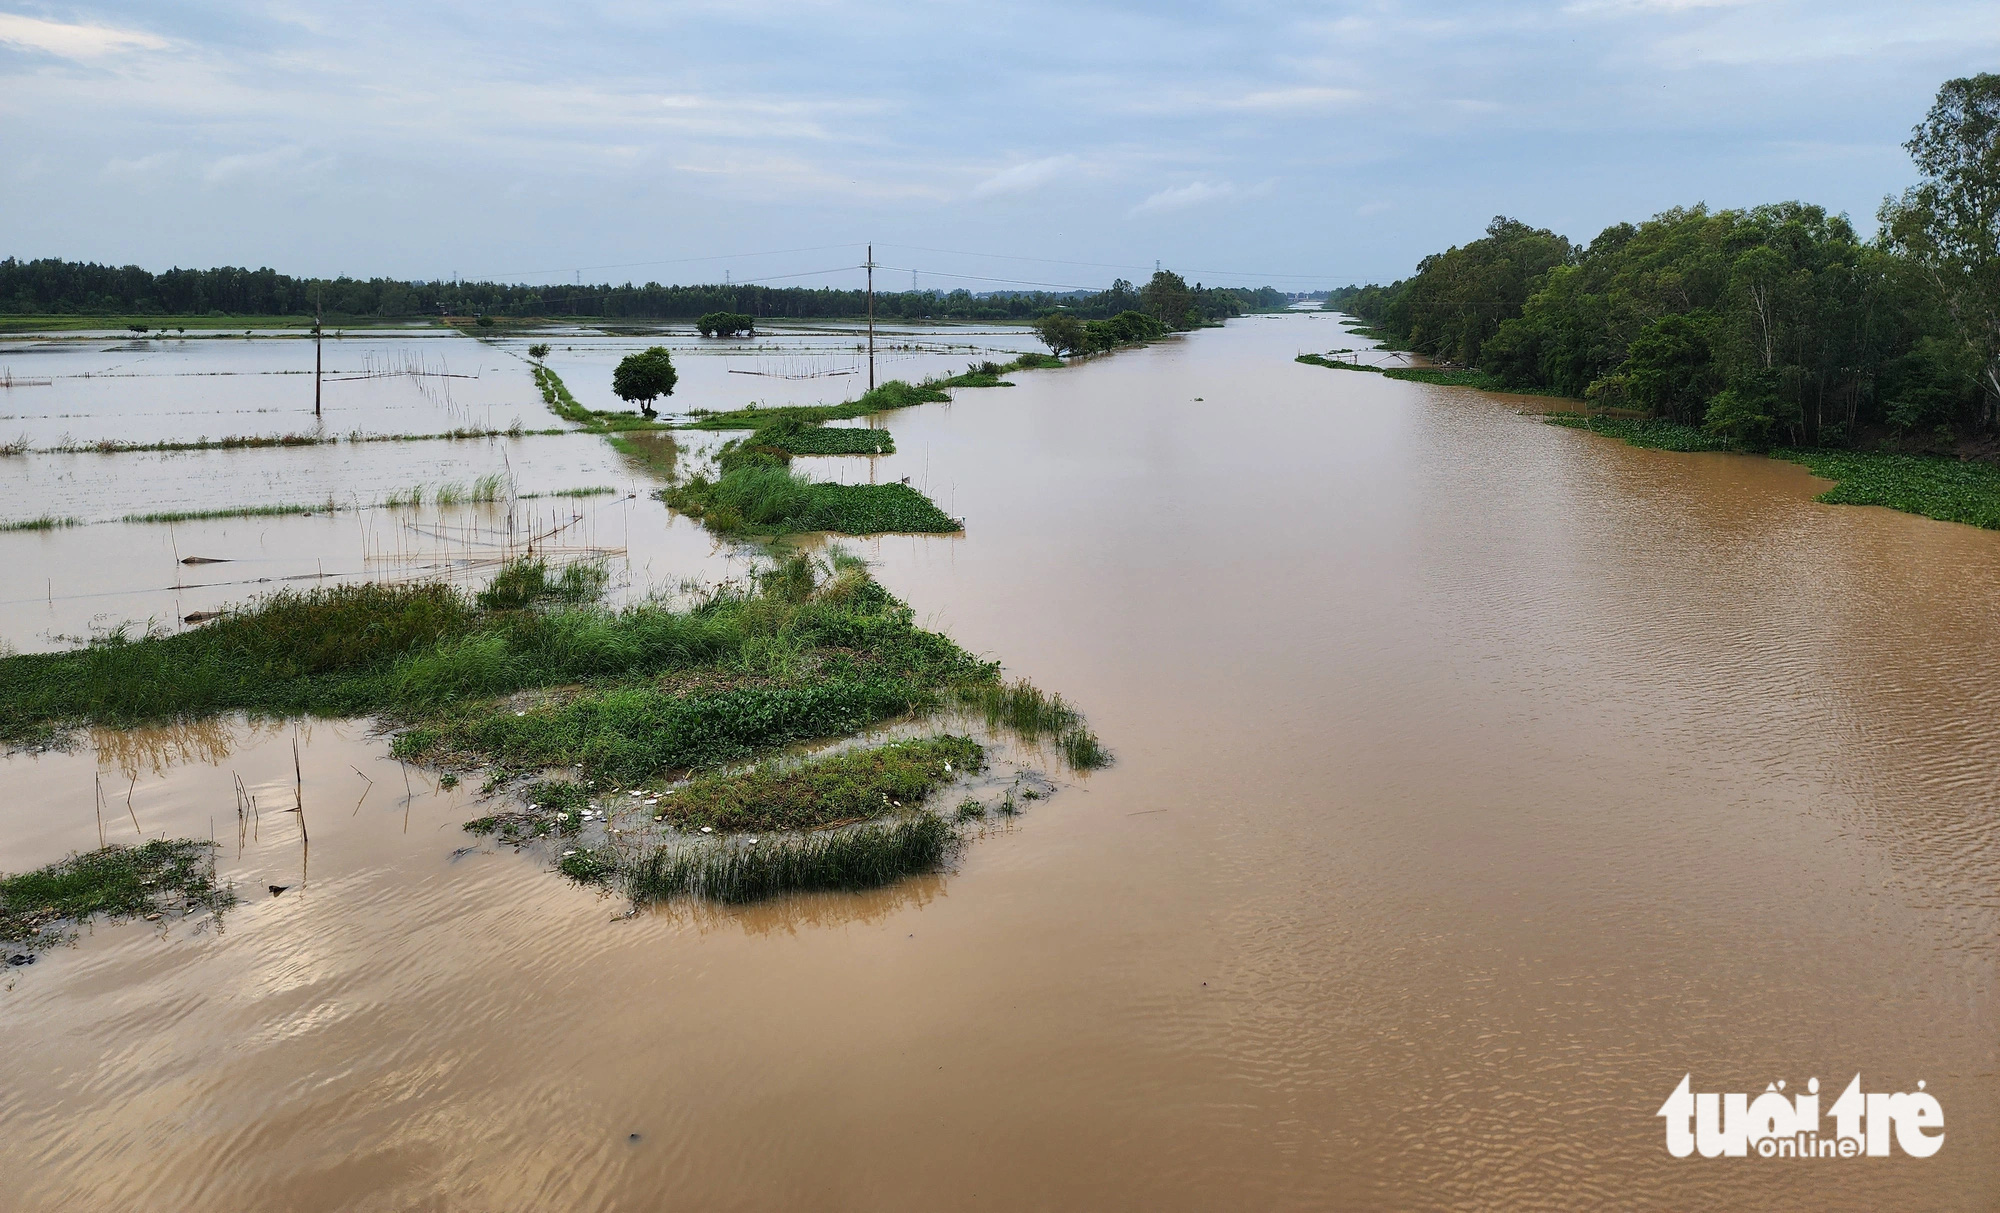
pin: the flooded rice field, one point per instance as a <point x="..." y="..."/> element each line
<point x="1475" y="780"/>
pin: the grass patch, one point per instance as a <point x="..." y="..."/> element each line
<point x="839" y="790"/>
<point x="47" y="522"/>
<point x="773" y="500"/>
<point x="527" y="583"/>
<point x="635" y="691"/>
<point x="1036" y="717"/>
<point x="892" y="395"/>
<point x="656" y="450"/>
<point x="235" y="511"/>
<point x="117" y="881"/>
<point x="633" y="733"/>
<point x="988" y="373"/>
<point x="863" y="857"/>
<point x="595" y="490"/>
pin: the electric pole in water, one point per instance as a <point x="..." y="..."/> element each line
<point x="871" y="317"/>
<point x="317" y="362"/>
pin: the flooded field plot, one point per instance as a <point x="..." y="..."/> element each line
<point x="64" y="390"/>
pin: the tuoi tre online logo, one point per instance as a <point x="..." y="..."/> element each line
<point x="1774" y="1126"/>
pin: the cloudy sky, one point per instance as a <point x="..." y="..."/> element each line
<point x="1302" y="143"/>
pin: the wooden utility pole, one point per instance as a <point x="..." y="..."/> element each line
<point x="871" y="317"/>
<point x="318" y="363"/>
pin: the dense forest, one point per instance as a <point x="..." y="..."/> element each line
<point x="51" y="287"/>
<point x="1775" y="324"/>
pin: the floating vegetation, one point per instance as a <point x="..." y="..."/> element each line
<point x="1655" y="432"/>
<point x="1438" y="375"/>
<point x="47" y="522"/>
<point x="860" y="857"/>
<point x="773" y="500"/>
<point x="165" y="875"/>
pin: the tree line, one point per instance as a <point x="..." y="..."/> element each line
<point x="1775" y="323"/>
<point x="55" y="287"/>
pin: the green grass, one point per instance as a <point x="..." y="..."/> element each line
<point x="640" y="689"/>
<point x="120" y="882"/>
<point x="1441" y="376"/>
<point x="773" y="500"/>
<point x="47" y="522"/>
<point x="892" y="395"/>
<point x="630" y="734"/>
<point x="234" y="511"/>
<point x="862" y="857"/>
<point x="527" y="583"/>
<point x="594" y="490"/>
<point x="1933" y="486"/>
<point x="988" y="373"/>
<point x="1034" y="716"/>
<point x="839" y="790"/>
<point x="1654" y="432"/>
<point x="655" y="450"/>
<point x="1950" y="490"/>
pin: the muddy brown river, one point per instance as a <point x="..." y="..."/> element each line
<point x="1476" y="780"/>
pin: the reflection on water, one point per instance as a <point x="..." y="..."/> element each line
<point x="1476" y="780"/>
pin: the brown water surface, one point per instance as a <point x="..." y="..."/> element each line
<point x="1476" y="780"/>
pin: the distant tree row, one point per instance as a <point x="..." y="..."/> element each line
<point x="52" y="287"/>
<point x="1772" y="324"/>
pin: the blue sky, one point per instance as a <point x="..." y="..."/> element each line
<point x="1302" y="143"/>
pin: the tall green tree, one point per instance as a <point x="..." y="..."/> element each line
<point x="1949" y="224"/>
<point x="644" y="377"/>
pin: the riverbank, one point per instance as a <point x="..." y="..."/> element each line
<point x="1949" y="490"/>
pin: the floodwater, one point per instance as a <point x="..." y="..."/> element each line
<point x="1477" y="779"/>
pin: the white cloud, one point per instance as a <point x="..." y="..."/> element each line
<point x="289" y="162"/>
<point x="1307" y="97"/>
<point x="1198" y="193"/>
<point x="1024" y="177"/>
<point x="73" y="41"/>
<point x="139" y="166"/>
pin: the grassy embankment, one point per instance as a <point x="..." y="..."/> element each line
<point x="755" y="492"/>
<point x="1950" y="490"/>
<point x="163" y="876"/>
<point x="629" y="434"/>
<point x="533" y="678"/>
